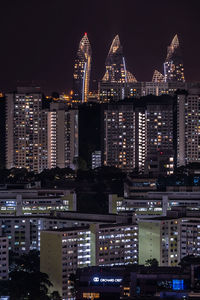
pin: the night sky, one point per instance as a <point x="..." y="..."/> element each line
<point x="39" y="39"/>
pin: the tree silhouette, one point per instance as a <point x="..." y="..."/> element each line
<point x="152" y="262"/>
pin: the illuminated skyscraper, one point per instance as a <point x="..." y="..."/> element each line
<point x="82" y="67"/>
<point x="173" y="65"/>
<point x="116" y="71"/>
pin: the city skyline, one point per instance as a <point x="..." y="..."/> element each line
<point x="84" y="55"/>
<point x="99" y="150"/>
<point x="44" y="48"/>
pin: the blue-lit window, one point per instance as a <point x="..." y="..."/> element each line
<point x="177" y="284"/>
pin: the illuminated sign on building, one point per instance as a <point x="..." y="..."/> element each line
<point x="107" y="280"/>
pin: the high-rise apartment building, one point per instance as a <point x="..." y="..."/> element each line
<point x="188" y="127"/>
<point x="159" y="127"/>
<point x="68" y="250"/>
<point x="82" y="67"/>
<point x="38" y="139"/>
<point x="26" y="130"/>
<point x="139" y="135"/>
<point x="116" y="71"/>
<point x="173" y="65"/>
<point x="62" y="136"/>
<point x="160" y="136"/>
<point x="62" y="252"/>
<point x="119" y="146"/>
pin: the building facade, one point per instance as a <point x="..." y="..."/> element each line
<point x="168" y="239"/>
<point x="62" y="136"/>
<point x="26" y="130"/>
<point x="188" y="127"/>
<point x="140" y="135"/>
<point x="29" y="202"/>
<point x="117" y="244"/>
<point x="96" y="159"/>
<point x="119" y="137"/>
<point x="23" y="231"/>
<point x="154" y="203"/>
<point x="73" y="248"/>
<point x="4" y="263"/>
<point x="67" y="250"/>
<point x="113" y="92"/>
<point x="160" y="137"/>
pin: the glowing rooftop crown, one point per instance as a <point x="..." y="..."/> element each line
<point x="115" y="45"/>
<point x="174" y="45"/>
<point x="84" y="45"/>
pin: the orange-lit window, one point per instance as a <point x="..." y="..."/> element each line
<point x="91" y="295"/>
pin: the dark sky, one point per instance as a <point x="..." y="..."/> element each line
<point x="39" y="39"/>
